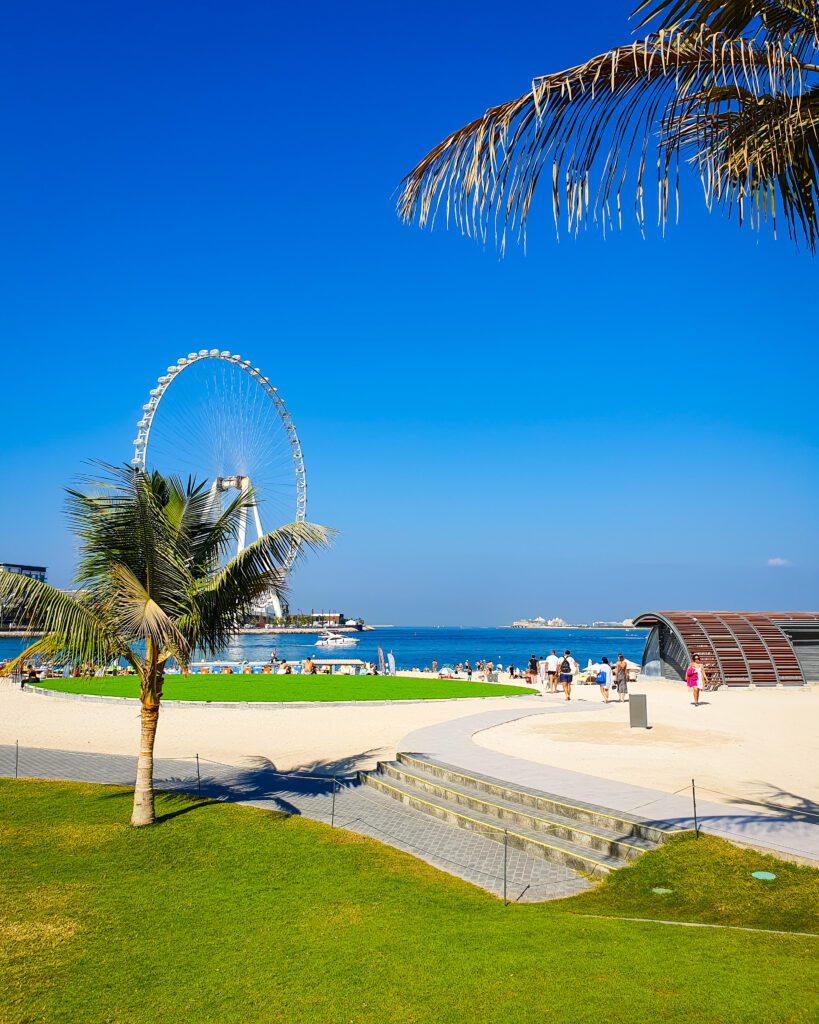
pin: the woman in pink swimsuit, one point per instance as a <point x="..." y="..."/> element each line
<point x="696" y="678"/>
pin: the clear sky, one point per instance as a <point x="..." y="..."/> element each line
<point x="590" y="429"/>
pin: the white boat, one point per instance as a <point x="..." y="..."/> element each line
<point x="330" y="639"/>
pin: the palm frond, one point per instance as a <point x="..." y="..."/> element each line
<point x="70" y="627"/>
<point x="122" y="523"/>
<point x="258" y="571"/>
<point x="757" y="149"/>
<point x="212" y="534"/>
<point x="794" y="22"/>
<point x="136" y="614"/>
<point x="589" y="131"/>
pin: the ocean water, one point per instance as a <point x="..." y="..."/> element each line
<point x="419" y="646"/>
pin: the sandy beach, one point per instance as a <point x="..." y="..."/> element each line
<point x="346" y="737"/>
<point x="752" y="745"/>
<point x="739" y="745"/>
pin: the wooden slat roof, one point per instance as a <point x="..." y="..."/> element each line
<point x="739" y="648"/>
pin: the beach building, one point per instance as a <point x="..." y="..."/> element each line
<point x="35" y="572"/>
<point x="10" y="613"/>
<point x="737" y="648"/>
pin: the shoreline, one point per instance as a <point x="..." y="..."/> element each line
<point x="22" y="634"/>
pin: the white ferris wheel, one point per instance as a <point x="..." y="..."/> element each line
<point x="214" y="416"/>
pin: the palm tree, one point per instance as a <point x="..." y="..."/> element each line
<point x="152" y="575"/>
<point x="727" y="87"/>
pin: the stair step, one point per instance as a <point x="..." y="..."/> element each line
<point x="627" y="827"/>
<point x="511" y="814"/>
<point x="535" y="842"/>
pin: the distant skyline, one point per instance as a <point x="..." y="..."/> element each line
<point x="590" y="429"/>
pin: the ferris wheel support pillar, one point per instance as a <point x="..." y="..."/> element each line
<point x="215" y="498"/>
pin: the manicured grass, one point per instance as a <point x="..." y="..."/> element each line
<point x="289" y="688"/>
<point x="229" y="914"/>
<point x="711" y="881"/>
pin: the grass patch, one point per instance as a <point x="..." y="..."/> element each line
<point x="711" y="882"/>
<point x="230" y="914"/>
<point x="289" y="688"/>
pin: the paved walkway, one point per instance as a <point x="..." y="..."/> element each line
<point x="358" y="808"/>
<point x="794" y="833"/>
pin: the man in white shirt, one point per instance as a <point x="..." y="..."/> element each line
<point x="551" y="671"/>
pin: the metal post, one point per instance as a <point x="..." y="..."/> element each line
<point x="694" y="798"/>
<point x="198" y="777"/>
<point x="505" y="862"/>
<point x="16" y="757"/>
<point x="333" y="807"/>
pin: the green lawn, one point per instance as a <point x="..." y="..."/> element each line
<point x="228" y="914"/>
<point x="286" y="688"/>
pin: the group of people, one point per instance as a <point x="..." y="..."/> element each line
<point x="613" y="678"/>
<point x="555" y="673"/>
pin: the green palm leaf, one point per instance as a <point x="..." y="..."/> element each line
<point x="150" y="576"/>
<point x="68" y="624"/>
<point x="626" y="119"/>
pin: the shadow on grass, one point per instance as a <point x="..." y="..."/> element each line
<point x="187" y="805"/>
<point x="259" y="782"/>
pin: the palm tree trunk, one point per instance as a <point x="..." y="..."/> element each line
<point x="143" y="812"/>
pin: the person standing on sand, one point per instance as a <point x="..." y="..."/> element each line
<point x="468" y="670"/>
<point x="541" y="673"/>
<point x="531" y="671"/>
<point x="551" y="671"/>
<point x="604" y="678"/>
<point x="696" y="678"/>
<point x="621" y="677"/>
<point x="568" y="667"/>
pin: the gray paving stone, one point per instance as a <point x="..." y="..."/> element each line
<point x="792" y="832"/>
<point x="465" y="854"/>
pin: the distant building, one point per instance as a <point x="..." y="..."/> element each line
<point x="9" y="614"/>
<point x="34" y="572"/>
<point x="625" y="624"/>
<point x="540" y="623"/>
<point x="326" y="619"/>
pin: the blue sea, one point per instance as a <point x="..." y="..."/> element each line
<point x="419" y="646"/>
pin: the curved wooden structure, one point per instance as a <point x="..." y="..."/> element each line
<point x="737" y="648"/>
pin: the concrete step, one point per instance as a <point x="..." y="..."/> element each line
<point x="536" y="842"/>
<point x="628" y="827"/>
<point x="514" y="815"/>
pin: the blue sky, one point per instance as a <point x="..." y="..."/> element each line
<point x="589" y="429"/>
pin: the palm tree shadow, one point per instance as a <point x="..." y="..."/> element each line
<point x="797" y="808"/>
<point x="259" y="782"/>
<point x="186" y="808"/>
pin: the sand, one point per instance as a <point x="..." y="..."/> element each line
<point x="757" y="745"/>
<point x="740" y="745"/>
<point x="320" y="737"/>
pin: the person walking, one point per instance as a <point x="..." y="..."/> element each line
<point x="605" y="679"/>
<point x="696" y="677"/>
<point x="541" y="673"/>
<point x="568" y="668"/>
<point x="551" y="671"/>
<point x="621" y="677"/>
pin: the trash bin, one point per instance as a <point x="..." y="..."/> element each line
<point x="637" y="711"/>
